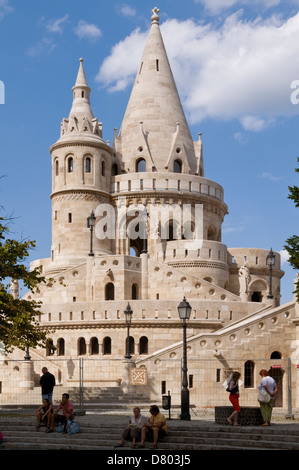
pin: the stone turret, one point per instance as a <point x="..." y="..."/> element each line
<point x="154" y="127"/>
<point x="81" y="172"/>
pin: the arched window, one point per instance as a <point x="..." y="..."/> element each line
<point x="275" y="355"/>
<point x="88" y="165"/>
<point x="94" y="346"/>
<point x="70" y="165"/>
<point x="81" y="347"/>
<point x="103" y="168"/>
<point x="212" y="233"/>
<point x="56" y="167"/>
<point x="134" y="291"/>
<point x="141" y="165"/>
<point x="143" y="345"/>
<point x="107" y="345"/>
<point x="109" y="291"/>
<point x="249" y="374"/>
<point x="114" y="170"/>
<point x="60" y="347"/>
<point x="50" y="348"/>
<point x="177" y="166"/>
<point x="131" y="345"/>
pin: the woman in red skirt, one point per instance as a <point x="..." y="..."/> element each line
<point x="233" y="388"/>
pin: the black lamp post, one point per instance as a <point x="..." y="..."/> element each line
<point x="128" y="316"/>
<point x="184" y="310"/>
<point x="27" y="355"/>
<point x="270" y="260"/>
<point x="91" y="220"/>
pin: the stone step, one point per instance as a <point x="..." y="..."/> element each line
<point x="192" y="436"/>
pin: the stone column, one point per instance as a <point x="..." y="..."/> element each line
<point x="144" y="275"/>
<point x="27" y="382"/>
<point x="125" y="382"/>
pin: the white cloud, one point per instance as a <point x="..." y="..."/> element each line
<point x="5" y="8"/>
<point x="126" y="10"/>
<point x="241" y="70"/>
<point x="56" y="26"/>
<point x="45" y="45"/>
<point x="284" y="256"/>
<point x="118" y="69"/>
<point x="216" y="6"/>
<point x="87" y="30"/>
<point x="270" y="176"/>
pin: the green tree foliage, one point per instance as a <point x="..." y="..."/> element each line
<point x="18" y="317"/>
<point x="292" y="246"/>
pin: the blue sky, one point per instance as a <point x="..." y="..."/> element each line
<point x="233" y="62"/>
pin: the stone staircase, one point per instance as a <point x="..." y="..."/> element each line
<point x="20" y="434"/>
<point x="104" y="396"/>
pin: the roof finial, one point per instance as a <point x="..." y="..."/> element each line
<point x="155" y="18"/>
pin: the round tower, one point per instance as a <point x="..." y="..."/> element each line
<point x="81" y="172"/>
<point x="162" y="169"/>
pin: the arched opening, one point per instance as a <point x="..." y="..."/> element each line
<point x="256" y="296"/>
<point x="88" y="165"/>
<point x="50" y="348"/>
<point x="171" y="231"/>
<point x="277" y="374"/>
<point x="131" y="345"/>
<point x="134" y="292"/>
<point x="249" y="374"/>
<point x="70" y="165"/>
<point x="94" y="346"/>
<point x="107" y="345"/>
<point x="275" y="355"/>
<point x="212" y="233"/>
<point x="109" y="291"/>
<point x="60" y="347"/>
<point x="143" y="345"/>
<point x="81" y="347"/>
<point x="258" y="290"/>
<point x="140" y="165"/>
<point x="177" y="166"/>
<point x="114" y="170"/>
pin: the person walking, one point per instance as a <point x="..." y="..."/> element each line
<point x="47" y="383"/>
<point x="233" y="388"/>
<point x="267" y="387"/>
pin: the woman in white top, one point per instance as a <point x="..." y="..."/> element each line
<point x="267" y="384"/>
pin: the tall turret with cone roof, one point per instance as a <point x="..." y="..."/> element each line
<point x="154" y="120"/>
<point x="81" y="172"/>
<point x="162" y="167"/>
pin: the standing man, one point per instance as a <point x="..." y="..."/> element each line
<point x="47" y="382"/>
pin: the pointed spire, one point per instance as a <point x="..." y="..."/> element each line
<point x="81" y="122"/>
<point x="81" y="92"/>
<point x="155" y="102"/>
<point x="81" y="79"/>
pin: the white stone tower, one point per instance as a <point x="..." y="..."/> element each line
<point x="81" y="171"/>
<point x="163" y="169"/>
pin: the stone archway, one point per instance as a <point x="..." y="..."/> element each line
<point x="277" y="375"/>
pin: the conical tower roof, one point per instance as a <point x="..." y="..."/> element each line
<point x="154" y="125"/>
<point x="81" y="125"/>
